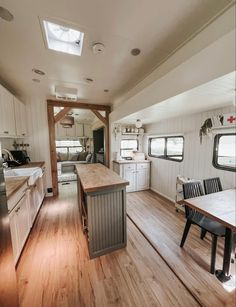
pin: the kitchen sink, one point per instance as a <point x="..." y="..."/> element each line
<point x="32" y="172"/>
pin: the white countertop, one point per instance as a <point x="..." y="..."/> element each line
<point x="131" y="161"/>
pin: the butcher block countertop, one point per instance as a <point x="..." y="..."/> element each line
<point x="32" y="164"/>
<point x="14" y="184"/>
<point x="97" y="177"/>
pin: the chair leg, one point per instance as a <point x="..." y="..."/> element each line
<point x="213" y="253"/>
<point x="186" y="230"/>
<point x="203" y="233"/>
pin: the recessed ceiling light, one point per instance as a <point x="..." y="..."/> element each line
<point x="5" y="14"/>
<point x="106" y="91"/>
<point x="38" y="71"/>
<point x="89" y="80"/>
<point x="63" y="39"/>
<point x="135" y="51"/>
<point x="98" y="48"/>
<point x="36" y="80"/>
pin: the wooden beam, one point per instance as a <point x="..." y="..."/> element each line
<point x="78" y="104"/>
<point x="61" y="114"/>
<point x="99" y="115"/>
<point x="107" y="141"/>
<point x="53" y="154"/>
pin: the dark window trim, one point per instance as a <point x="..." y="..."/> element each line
<point x="165" y="156"/>
<point x="215" y="151"/>
<point x="128" y="148"/>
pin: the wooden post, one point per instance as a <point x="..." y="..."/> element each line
<point x="107" y="141"/>
<point x="53" y="154"/>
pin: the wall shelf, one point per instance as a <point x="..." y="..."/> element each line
<point x="132" y="133"/>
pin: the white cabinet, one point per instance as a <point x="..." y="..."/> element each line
<point x="137" y="173"/>
<point x="20" y="118"/>
<point x="19" y="225"/>
<point x="64" y="132"/>
<point x="79" y="130"/>
<point x="7" y="117"/>
<point x="129" y="173"/>
<point x="88" y="131"/>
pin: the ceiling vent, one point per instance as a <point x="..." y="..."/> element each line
<point x="66" y="93"/>
<point x="98" y="48"/>
<point x="67" y="122"/>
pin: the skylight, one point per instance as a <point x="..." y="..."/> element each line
<point x="63" y="39"/>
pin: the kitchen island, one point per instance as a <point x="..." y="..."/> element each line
<point x="102" y="205"/>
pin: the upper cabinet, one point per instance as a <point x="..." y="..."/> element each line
<point x="12" y="115"/>
<point x="7" y="117"/>
<point x="20" y="117"/>
<point x="77" y="130"/>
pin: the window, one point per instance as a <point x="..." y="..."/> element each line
<point x="169" y="148"/>
<point x="68" y="146"/>
<point x="127" y="147"/>
<point x="224" y="156"/>
<point x="62" y="38"/>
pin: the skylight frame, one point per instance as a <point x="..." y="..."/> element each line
<point x="54" y="43"/>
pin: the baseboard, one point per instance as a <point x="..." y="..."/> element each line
<point x="163" y="195"/>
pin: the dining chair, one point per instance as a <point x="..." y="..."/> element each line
<point x="212" y="185"/>
<point x="191" y="190"/>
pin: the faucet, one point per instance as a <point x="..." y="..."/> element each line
<point x="11" y="158"/>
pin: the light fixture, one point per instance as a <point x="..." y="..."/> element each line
<point x="63" y="38"/>
<point x="67" y="121"/>
<point x="138" y="123"/>
<point x="98" y="48"/>
<point x="135" y="51"/>
<point x="89" y="80"/>
<point x="5" y="14"/>
<point x="38" y="71"/>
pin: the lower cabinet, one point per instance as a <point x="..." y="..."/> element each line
<point x="138" y="174"/>
<point x="20" y="225"/>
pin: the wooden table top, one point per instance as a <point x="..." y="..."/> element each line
<point x="220" y="206"/>
<point x="14" y="184"/>
<point x="97" y="177"/>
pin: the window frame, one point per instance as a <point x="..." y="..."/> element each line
<point x="215" y="155"/>
<point x="165" y="156"/>
<point x="68" y="147"/>
<point x="128" y="148"/>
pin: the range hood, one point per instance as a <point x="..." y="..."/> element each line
<point x="67" y="121"/>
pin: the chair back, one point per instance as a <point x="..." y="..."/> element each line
<point x="191" y="190"/>
<point x="212" y="185"/>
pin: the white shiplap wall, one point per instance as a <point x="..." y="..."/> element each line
<point x="38" y="134"/>
<point x="197" y="161"/>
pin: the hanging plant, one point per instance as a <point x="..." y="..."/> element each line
<point x="205" y="128"/>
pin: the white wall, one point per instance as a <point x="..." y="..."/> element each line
<point x="38" y="134"/>
<point x="197" y="161"/>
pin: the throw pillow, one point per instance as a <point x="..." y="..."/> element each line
<point x="88" y="158"/>
<point x="64" y="156"/>
<point x="82" y="156"/>
<point x="73" y="157"/>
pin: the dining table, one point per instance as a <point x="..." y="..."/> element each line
<point x="220" y="207"/>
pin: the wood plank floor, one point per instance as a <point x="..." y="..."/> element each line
<point x="159" y="222"/>
<point x="55" y="269"/>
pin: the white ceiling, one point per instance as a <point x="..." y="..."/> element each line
<point x="157" y="27"/>
<point x="215" y="94"/>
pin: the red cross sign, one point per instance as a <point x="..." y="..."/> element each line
<point x="231" y="119"/>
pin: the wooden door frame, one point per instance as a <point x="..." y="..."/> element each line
<point x="52" y="120"/>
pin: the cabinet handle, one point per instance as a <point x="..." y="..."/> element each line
<point x="23" y="134"/>
<point x="6" y="132"/>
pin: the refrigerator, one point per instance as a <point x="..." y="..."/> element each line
<point x="8" y="283"/>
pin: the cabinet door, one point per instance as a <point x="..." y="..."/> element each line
<point x="88" y="130"/>
<point x="22" y="222"/>
<point x="142" y="179"/>
<point x="60" y="131"/>
<point x="79" y="130"/>
<point x="70" y="132"/>
<point x="14" y="236"/>
<point x="7" y="115"/>
<point x="23" y="117"/>
<point x="17" y="111"/>
<point x="129" y="173"/>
